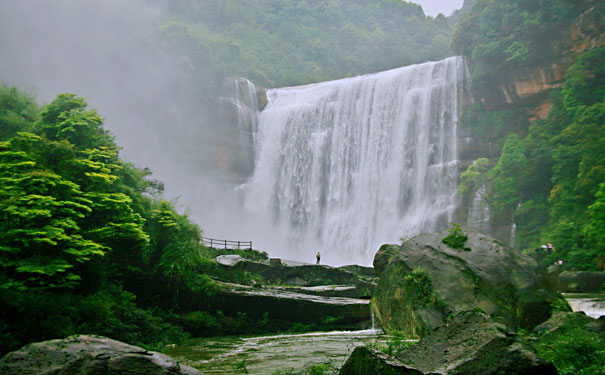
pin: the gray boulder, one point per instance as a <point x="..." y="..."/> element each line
<point x="566" y="320"/>
<point x="89" y="355"/>
<point x="367" y="361"/>
<point x="426" y="280"/>
<point x="469" y="343"/>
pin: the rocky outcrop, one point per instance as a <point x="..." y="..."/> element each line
<point x="288" y="292"/>
<point x="531" y="83"/>
<point x="89" y="355"/>
<point x="240" y="103"/>
<point x="581" y="282"/>
<point x="566" y="320"/>
<point x="367" y="361"/>
<point x="469" y="343"/>
<point x="287" y="272"/>
<point x="427" y="280"/>
<point x="286" y="306"/>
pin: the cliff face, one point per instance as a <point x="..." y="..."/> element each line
<point x="240" y="102"/>
<point x="525" y="90"/>
<point x="530" y="84"/>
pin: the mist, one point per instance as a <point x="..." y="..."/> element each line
<point x="109" y="52"/>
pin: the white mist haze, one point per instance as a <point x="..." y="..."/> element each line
<point x="108" y="52"/>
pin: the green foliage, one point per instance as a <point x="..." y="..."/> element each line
<point x="292" y="42"/>
<point x="548" y="174"/>
<point x="501" y="36"/>
<point x="240" y="366"/>
<point x="82" y="233"/>
<point x="18" y="111"/>
<point x="419" y="286"/>
<point x="456" y="238"/>
<point x="573" y="351"/>
<point x="112" y="312"/>
<point x="475" y="177"/>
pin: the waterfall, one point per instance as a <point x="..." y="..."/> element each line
<point x="347" y="165"/>
<point x="513" y="235"/>
<point x="478" y="215"/>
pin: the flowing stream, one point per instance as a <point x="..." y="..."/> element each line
<point x="592" y="305"/>
<point x="347" y="165"/>
<point x="267" y="354"/>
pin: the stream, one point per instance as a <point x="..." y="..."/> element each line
<point x="267" y="354"/>
<point x="592" y="305"/>
<point x="288" y="353"/>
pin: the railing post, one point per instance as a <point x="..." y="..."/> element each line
<point x="225" y="244"/>
<point x="211" y="242"/>
<point x="238" y="245"/>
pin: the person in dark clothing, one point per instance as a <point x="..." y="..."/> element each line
<point x="318" y="257"/>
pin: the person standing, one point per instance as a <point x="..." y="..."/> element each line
<point x="318" y="257"/>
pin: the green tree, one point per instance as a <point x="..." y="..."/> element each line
<point x="40" y="237"/>
<point x="18" y="111"/>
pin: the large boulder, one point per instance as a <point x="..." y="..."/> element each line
<point x="561" y="320"/>
<point x="89" y="355"/>
<point x="426" y="280"/>
<point x="469" y="343"/>
<point x="368" y="361"/>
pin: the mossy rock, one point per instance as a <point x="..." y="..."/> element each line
<point x="492" y="277"/>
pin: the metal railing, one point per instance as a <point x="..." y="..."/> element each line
<point x="226" y="244"/>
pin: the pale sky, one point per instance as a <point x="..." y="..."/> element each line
<point x="434" y="7"/>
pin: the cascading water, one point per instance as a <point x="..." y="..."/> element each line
<point x="345" y="166"/>
<point x="478" y="215"/>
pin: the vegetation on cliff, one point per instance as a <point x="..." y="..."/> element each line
<point x="546" y="172"/>
<point x="289" y="42"/>
<point x="501" y="37"/>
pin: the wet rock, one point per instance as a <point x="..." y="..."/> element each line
<point x="362" y="290"/>
<point x="289" y="306"/>
<point x="89" y="355"/>
<point x="367" y="361"/>
<point x="581" y="282"/>
<point x="426" y="280"/>
<point x="383" y="257"/>
<point x="281" y="271"/>
<point x="229" y="260"/>
<point x="564" y="320"/>
<point x="469" y="343"/>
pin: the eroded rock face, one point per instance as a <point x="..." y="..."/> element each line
<point x="469" y="343"/>
<point x="89" y="355"/>
<point x="531" y="82"/>
<point x="427" y="280"/>
<point x="367" y="361"/>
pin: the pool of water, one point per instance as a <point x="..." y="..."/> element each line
<point x="267" y="354"/>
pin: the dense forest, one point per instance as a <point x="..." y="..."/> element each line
<point x="88" y="243"/>
<point x="547" y="173"/>
<point x="284" y="43"/>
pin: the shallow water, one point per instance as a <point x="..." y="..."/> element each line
<point x="267" y="354"/>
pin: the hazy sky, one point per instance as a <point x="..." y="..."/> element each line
<point x="434" y="7"/>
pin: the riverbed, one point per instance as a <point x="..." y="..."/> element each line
<point x="267" y="354"/>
